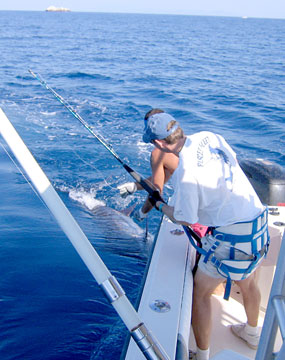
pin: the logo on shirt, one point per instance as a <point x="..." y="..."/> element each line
<point x="200" y="151"/>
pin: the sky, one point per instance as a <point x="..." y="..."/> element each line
<point x="250" y="8"/>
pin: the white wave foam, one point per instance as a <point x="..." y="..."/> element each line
<point x="46" y="113"/>
<point x="144" y="149"/>
<point x="85" y="198"/>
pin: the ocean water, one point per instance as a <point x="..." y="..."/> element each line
<point x="215" y="73"/>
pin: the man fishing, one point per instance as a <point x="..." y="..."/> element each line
<point x="210" y="188"/>
<point x="163" y="165"/>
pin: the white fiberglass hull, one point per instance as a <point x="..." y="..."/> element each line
<point x="170" y="280"/>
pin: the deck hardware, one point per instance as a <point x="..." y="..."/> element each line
<point x="160" y="306"/>
<point x="147" y="343"/>
<point x="279" y="223"/>
<point x="112" y="289"/>
<point x="177" y="232"/>
<point x="273" y="211"/>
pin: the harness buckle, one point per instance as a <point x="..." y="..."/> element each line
<point x="219" y="236"/>
<point x="215" y="261"/>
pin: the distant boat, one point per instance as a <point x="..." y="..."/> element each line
<point x="60" y="9"/>
<point x="244" y="17"/>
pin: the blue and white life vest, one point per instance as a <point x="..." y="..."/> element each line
<point x="251" y="238"/>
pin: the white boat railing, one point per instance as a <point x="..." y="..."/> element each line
<point x="275" y="313"/>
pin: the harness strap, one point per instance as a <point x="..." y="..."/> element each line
<point x="211" y="251"/>
<point x="199" y="249"/>
<point x="225" y="269"/>
<point x="234" y="239"/>
<point x="228" y="289"/>
<point x="232" y="252"/>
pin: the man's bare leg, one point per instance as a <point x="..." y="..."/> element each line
<point x="251" y="297"/>
<point x="204" y="286"/>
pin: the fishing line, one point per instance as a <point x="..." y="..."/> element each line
<point x="146" y="228"/>
<point x="78" y="117"/>
<point x="148" y="186"/>
<point x="105" y="179"/>
<point x="88" y="163"/>
<point x="85" y="124"/>
<point x="23" y="174"/>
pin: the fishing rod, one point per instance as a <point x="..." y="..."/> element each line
<point x="147" y="186"/>
<point x="150" y="188"/>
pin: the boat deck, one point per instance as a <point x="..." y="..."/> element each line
<point x="170" y="279"/>
<point x="226" y="313"/>
<point x="166" y="302"/>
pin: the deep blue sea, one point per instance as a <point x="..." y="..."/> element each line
<point x="221" y="74"/>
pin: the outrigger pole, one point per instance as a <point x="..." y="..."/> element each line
<point x="149" y="346"/>
<point x="150" y="188"/>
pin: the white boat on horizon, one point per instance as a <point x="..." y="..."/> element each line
<point x="57" y="9"/>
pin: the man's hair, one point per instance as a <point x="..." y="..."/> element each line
<point x="152" y="112"/>
<point x="177" y="135"/>
<point x="174" y="137"/>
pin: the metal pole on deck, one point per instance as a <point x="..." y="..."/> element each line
<point x="275" y="313"/>
<point x="149" y="346"/>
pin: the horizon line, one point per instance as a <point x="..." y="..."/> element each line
<point x="245" y="17"/>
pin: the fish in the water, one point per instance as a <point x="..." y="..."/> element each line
<point x="111" y="221"/>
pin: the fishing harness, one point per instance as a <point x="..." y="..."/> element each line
<point x="250" y="238"/>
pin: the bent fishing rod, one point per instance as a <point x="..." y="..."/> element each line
<point x="150" y="188"/>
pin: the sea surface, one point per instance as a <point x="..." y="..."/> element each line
<point x="212" y="73"/>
